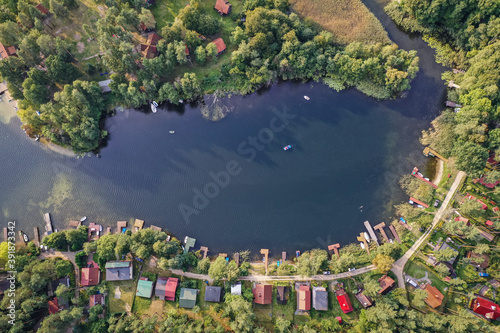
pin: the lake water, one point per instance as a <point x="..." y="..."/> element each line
<point x="348" y="151"/>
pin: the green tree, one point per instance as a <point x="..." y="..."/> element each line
<point x="240" y="313"/>
<point x="201" y="55"/>
<point x="383" y="263"/>
<point x="56" y="240"/>
<point x="217" y="270"/>
<point x="211" y="51"/>
<point x="59" y="70"/>
<point x="147" y="18"/>
<point x="419" y="297"/>
<point x="10" y="33"/>
<point x="471" y="158"/>
<point x="81" y="259"/>
<point x="445" y="254"/>
<point x="204" y="265"/>
<point x="58" y="9"/>
<point x="311" y="262"/>
<point x="4" y="253"/>
<point x="282" y="325"/>
<point x="471" y="207"/>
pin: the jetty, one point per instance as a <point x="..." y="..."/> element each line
<point x="431" y="152"/>
<point x="138" y="225"/>
<point x="451" y="104"/>
<point x="155" y="228"/>
<point x="362" y="238"/>
<point x="120" y="225"/>
<point x="204" y="249"/>
<point x="223" y="255"/>
<point x="36" y="236"/>
<point x="452" y="84"/>
<point x="283" y="256"/>
<point x="236" y="258"/>
<point x="5" y="234"/>
<point x="335" y="248"/>
<point x="380" y="228"/>
<point x="419" y="202"/>
<point x="74" y="224"/>
<point x="48" y="224"/>
<point x="394" y="233"/>
<point x="371" y="232"/>
<point x="265" y="252"/>
<point x="417" y="174"/>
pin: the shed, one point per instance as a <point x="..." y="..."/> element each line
<point x="171" y="288"/>
<point x="320" y="298"/>
<point x="281" y="292"/>
<point x="236" y="289"/>
<point x="119" y="270"/>
<point x="263" y="294"/>
<point x="344" y="301"/>
<point x="221" y="46"/>
<point x="105" y="85"/>
<point x="386" y="284"/>
<point x="7" y="51"/>
<point x="213" y="294"/>
<point x="144" y="288"/>
<point x="160" y="288"/>
<point x="364" y="300"/>
<point x="91" y="276"/>
<point x="187" y="298"/>
<point x="96" y="299"/>
<point x="53" y="306"/>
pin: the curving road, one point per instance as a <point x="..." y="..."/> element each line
<point x="399" y="265"/>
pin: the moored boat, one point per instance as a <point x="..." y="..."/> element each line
<point x="153" y="107"/>
<point x="83" y="219"/>
<point x="287" y="147"/>
<point x="306" y="97"/>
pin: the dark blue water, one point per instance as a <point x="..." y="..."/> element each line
<point x="348" y="151"/>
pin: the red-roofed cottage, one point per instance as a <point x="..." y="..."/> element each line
<point x="42" y="9"/>
<point x="223" y="7"/>
<point x="91" y="276"/>
<point x="304" y="298"/>
<point x="221" y="46"/>
<point x="170" y="289"/>
<point x="7" y="51"/>
<point x="344" y="301"/>
<point x="53" y="306"/>
<point x="485" y="308"/>
<point x="263" y="294"/>
<point x="96" y="299"/>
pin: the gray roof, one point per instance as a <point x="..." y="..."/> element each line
<point x="447" y="246"/>
<point x="213" y="294"/>
<point x="160" y="287"/>
<point x="117" y="271"/>
<point x="105" y="85"/>
<point x="320" y="298"/>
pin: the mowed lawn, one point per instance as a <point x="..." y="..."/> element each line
<point x="348" y="20"/>
<point x="126" y="290"/>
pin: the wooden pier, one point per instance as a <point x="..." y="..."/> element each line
<point x="155" y="228"/>
<point x="335" y="248"/>
<point x="236" y="258"/>
<point x="362" y="238"/>
<point x="430" y="152"/>
<point x="204" y="249"/>
<point x="371" y="232"/>
<point x="380" y="228"/>
<point x="48" y="223"/>
<point x="419" y="202"/>
<point x="5" y="233"/>
<point x="223" y="255"/>
<point x="36" y="236"/>
<point x="416" y="174"/>
<point x="394" y="233"/>
<point x="265" y="252"/>
<point x="120" y="225"/>
<point x="283" y="256"/>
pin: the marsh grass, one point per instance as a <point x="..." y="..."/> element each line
<point x="348" y="20"/>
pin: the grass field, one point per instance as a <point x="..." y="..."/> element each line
<point x="141" y="305"/>
<point x="124" y="303"/>
<point x="348" y="20"/>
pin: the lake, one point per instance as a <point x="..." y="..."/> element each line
<point x="229" y="183"/>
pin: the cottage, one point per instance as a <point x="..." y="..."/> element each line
<point x="386" y="284"/>
<point x="450" y="262"/>
<point x="144" y="288"/>
<point x="153" y="39"/>
<point x="91" y="276"/>
<point x="188" y="243"/>
<point x="364" y="300"/>
<point x="434" y="296"/>
<point x="344" y="301"/>
<point x="486" y="308"/>
<point x="53" y="306"/>
<point x="160" y="288"/>
<point x="320" y="298"/>
<point x="221" y="46"/>
<point x="281" y="295"/>
<point x="187" y="298"/>
<point x="139" y="224"/>
<point x="44" y="11"/>
<point x="96" y="299"/>
<point x="119" y="270"/>
<point x="236" y="289"/>
<point x="478" y="260"/>
<point x="104" y="85"/>
<point x="213" y="294"/>
<point x="303" y="298"/>
<point x="263" y="294"/>
<point x="170" y="288"/>
<point x="223" y="7"/>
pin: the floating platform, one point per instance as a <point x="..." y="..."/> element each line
<point x="371" y="232"/>
<point x="5" y="234"/>
<point x="430" y="152"/>
<point x="419" y="202"/>
<point x="48" y="223"/>
<point x="416" y="174"/>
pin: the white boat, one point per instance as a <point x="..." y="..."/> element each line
<point x="171" y="132"/>
<point x="25" y="237"/>
<point x="83" y="218"/>
<point x="362" y="245"/>
<point x="306" y="97"/>
<point x="367" y="237"/>
<point x="153" y="106"/>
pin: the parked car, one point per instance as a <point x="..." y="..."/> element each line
<point x="436" y="203"/>
<point x="484" y="274"/>
<point x="326" y="273"/>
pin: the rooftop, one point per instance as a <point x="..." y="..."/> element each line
<point x="221" y="46"/>
<point x="91" y="276"/>
<point x="344" y="301"/>
<point x="386" y="283"/>
<point x="304" y="298"/>
<point x="187" y="298"/>
<point x="223" y="7"/>
<point x="320" y="298"/>
<point x="213" y="294"/>
<point x="434" y="296"/>
<point x="263" y="294"/>
<point x="144" y="288"/>
<point x="364" y="300"/>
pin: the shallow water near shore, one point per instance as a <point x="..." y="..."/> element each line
<point x="348" y="154"/>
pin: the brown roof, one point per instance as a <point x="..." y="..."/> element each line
<point x="434" y="296"/>
<point x="223" y="7"/>
<point x="42" y="9"/>
<point x="7" y="51"/>
<point x="153" y="39"/>
<point x="143" y="26"/>
<point x="304" y="298"/>
<point x="479" y="260"/>
<point x="364" y="300"/>
<point x="386" y="283"/>
<point x="263" y="294"/>
<point x="221" y="46"/>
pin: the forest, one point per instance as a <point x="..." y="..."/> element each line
<point x="465" y="37"/>
<point x="59" y="96"/>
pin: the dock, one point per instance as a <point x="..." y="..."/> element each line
<point x="36" y="236"/>
<point x="265" y="252"/>
<point x="188" y="243"/>
<point x="394" y="233"/>
<point x="335" y="248"/>
<point x="5" y="234"/>
<point x="204" y="249"/>
<point x="371" y="232"/>
<point x="419" y="202"/>
<point x="362" y="238"/>
<point x="155" y="228"/>
<point x="283" y="256"/>
<point x="430" y="152"/>
<point x="416" y="174"/>
<point x="120" y="225"/>
<point x="380" y="228"/>
<point x="223" y="255"/>
<point x="108" y="230"/>
<point x="48" y="223"/>
<point x="236" y="258"/>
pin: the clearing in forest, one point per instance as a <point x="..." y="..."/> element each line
<point x="348" y="20"/>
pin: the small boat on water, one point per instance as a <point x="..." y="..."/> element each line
<point x="287" y="147"/>
<point x="154" y="105"/>
<point x="171" y="132"/>
<point x="306" y="97"/>
<point x="24" y="237"/>
<point x="83" y="219"/>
